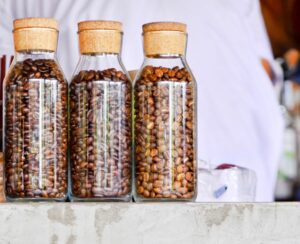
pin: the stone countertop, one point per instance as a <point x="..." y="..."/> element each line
<point x="149" y="223"/>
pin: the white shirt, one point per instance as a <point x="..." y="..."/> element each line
<point x="238" y="116"/>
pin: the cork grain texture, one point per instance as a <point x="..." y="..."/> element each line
<point x="100" y="36"/>
<point x="35" y="34"/>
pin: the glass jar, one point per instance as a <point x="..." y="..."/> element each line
<point x="35" y="115"/>
<point x="165" y="120"/>
<point x="100" y="117"/>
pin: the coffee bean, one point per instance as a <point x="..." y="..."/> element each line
<point x="164" y="133"/>
<point x="36" y="130"/>
<point x="100" y="126"/>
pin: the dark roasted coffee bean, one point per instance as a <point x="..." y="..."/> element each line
<point x="36" y="130"/>
<point x="164" y="133"/>
<point x="100" y="126"/>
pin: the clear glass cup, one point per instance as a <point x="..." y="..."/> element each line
<point x="226" y="183"/>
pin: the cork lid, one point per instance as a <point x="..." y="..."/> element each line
<point x="164" y="38"/>
<point x="164" y="26"/>
<point x="99" y="25"/>
<point x="100" y="36"/>
<point x="35" y="34"/>
<point x="35" y="23"/>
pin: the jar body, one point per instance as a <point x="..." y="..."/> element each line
<point x="165" y="131"/>
<point x="35" y="126"/>
<point x="100" y="127"/>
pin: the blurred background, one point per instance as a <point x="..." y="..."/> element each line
<point x="283" y="27"/>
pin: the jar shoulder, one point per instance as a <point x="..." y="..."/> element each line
<point x="34" y="69"/>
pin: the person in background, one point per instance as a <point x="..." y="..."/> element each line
<point x="282" y="24"/>
<point x="239" y="120"/>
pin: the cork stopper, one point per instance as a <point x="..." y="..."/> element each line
<point x="164" y="38"/>
<point x="39" y="34"/>
<point x="100" y="36"/>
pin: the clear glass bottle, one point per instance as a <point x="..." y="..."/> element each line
<point x="100" y="117"/>
<point x="35" y="115"/>
<point x="165" y="119"/>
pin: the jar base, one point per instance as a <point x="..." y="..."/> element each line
<point x="137" y="198"/>
<point x="98" y="199"/>
<point x="27" y="199"/>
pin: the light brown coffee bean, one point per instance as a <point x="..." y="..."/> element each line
<point x="164" y="133"/>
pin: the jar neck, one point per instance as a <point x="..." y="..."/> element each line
<point x="101" y="58"/>
<point x="33" y="54"/>
<point x="99" y="61"/>
<point x="165" y="56"/>
<point x="165" y="60"/>
<point x="100" y="55"/>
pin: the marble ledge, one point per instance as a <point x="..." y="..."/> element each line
<point x="150" y="223"/>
